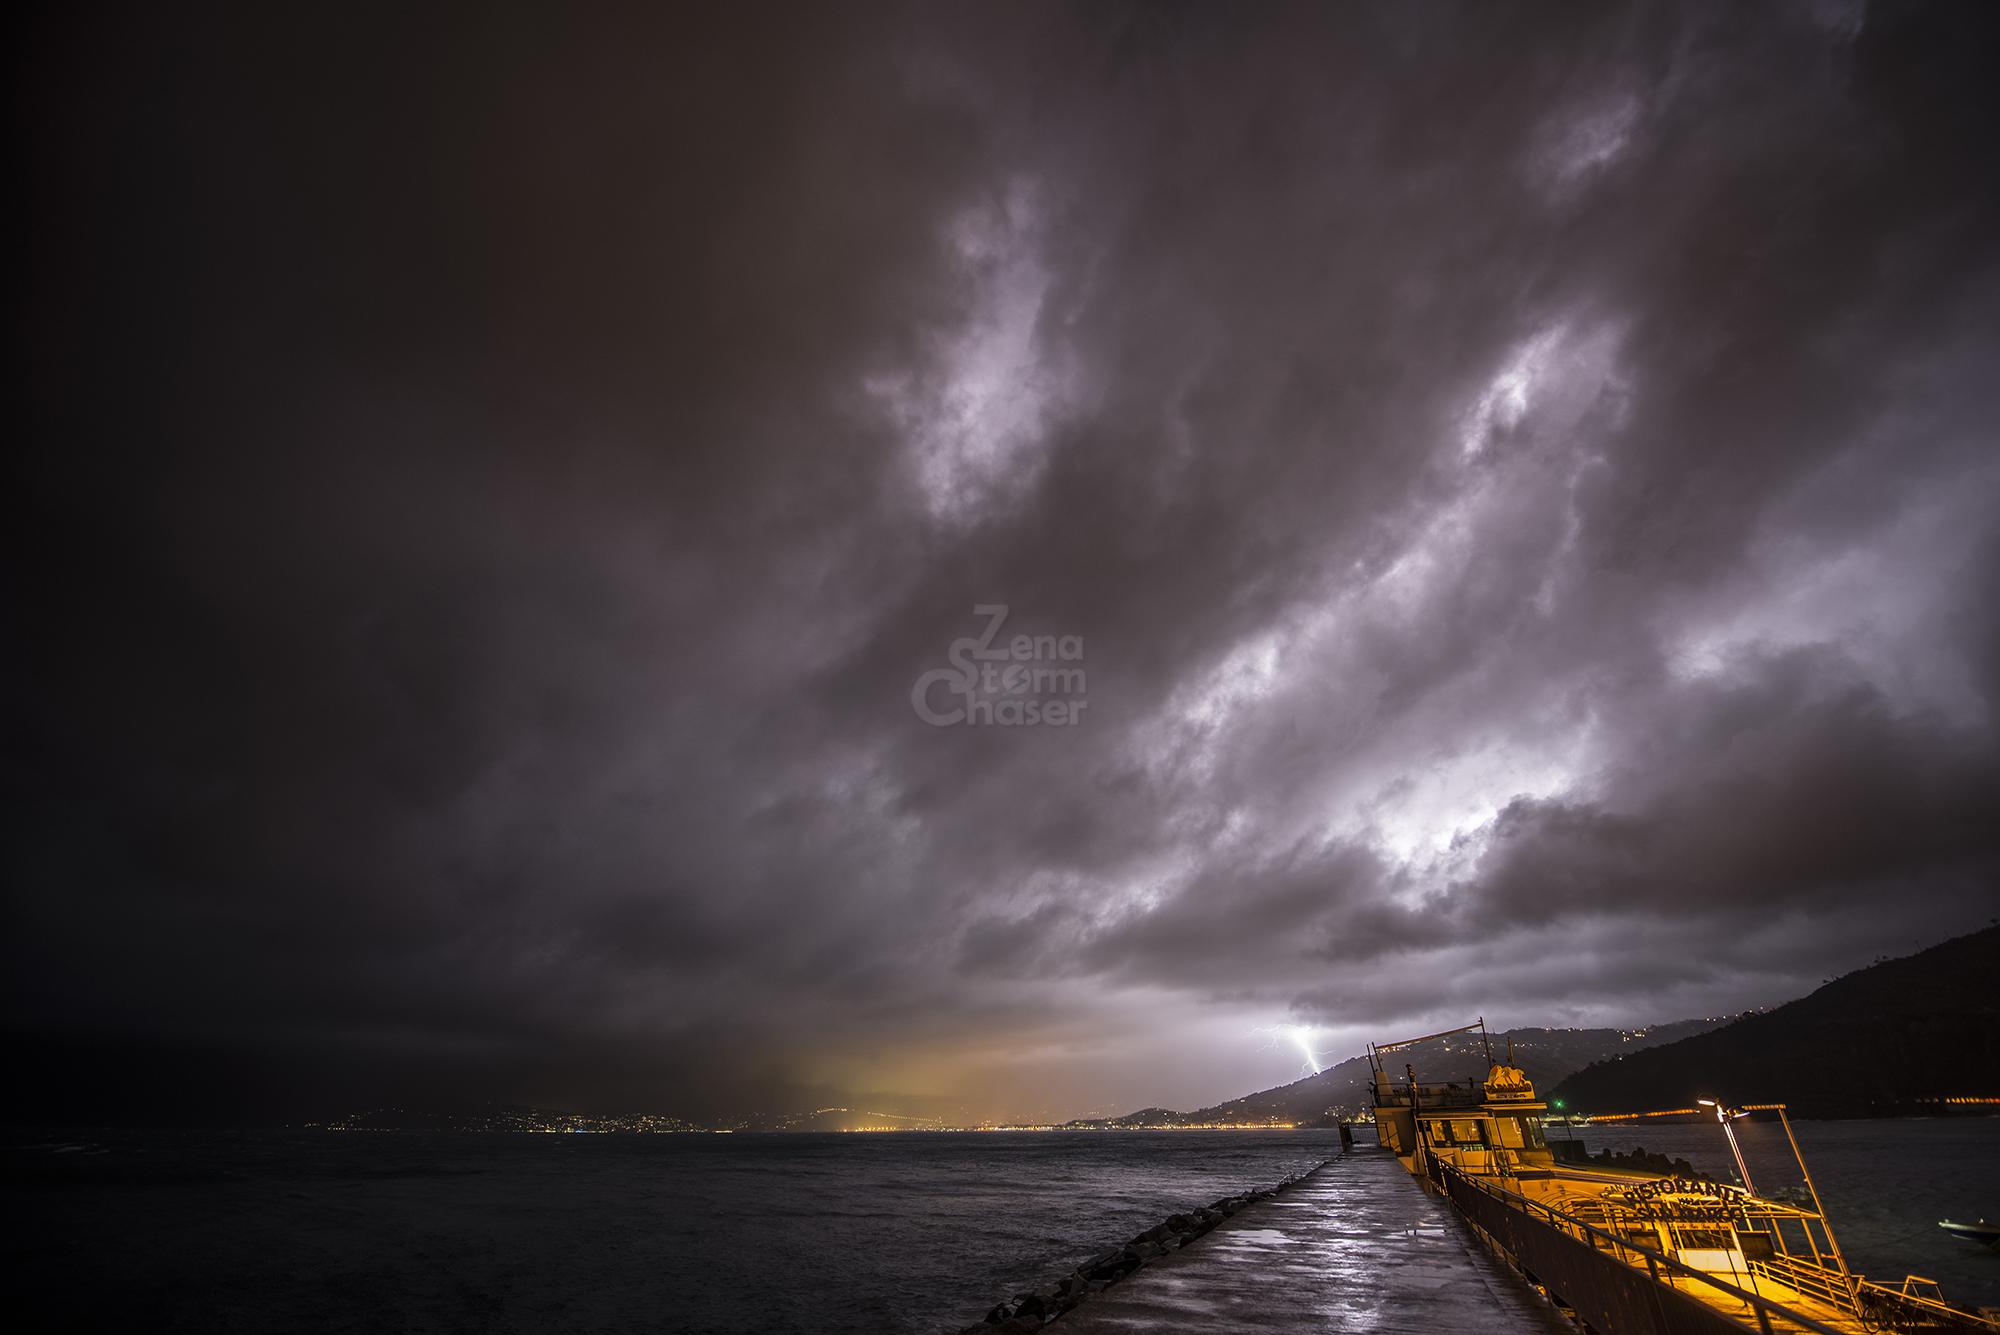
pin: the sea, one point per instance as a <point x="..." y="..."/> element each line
<point x="907" y="1232"/>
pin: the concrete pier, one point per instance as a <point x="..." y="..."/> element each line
<point x="1358" y="1245"/>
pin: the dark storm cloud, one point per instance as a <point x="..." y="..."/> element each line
<point x="1522" y="479"/>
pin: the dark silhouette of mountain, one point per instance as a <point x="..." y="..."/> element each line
<point x="1900" y="1036"/>
<point x="1547" y="1055"/>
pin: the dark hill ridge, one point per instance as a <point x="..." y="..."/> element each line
<point x="1547" y="1055"/>
<point x="1883" y="1040"/>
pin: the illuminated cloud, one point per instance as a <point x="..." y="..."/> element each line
<point x="976" y="414"/>
<point x="1521" y="476"/>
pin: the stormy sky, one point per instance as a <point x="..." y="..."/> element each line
<point x="1516" y="483"/>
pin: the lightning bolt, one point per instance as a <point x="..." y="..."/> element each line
<point x="1299" y="1036"/>
<point x="1303" y="1037"/>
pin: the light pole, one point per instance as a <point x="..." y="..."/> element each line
<point x="1726" y="1116"/>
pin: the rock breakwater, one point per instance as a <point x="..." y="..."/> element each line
<point x="1033" y="1310"/>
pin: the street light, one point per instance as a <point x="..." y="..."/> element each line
<point x="1725" y="1116"/>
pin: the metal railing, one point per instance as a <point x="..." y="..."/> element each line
<point x="1886" y="1309"/>
<point x="1814" y="1281"/>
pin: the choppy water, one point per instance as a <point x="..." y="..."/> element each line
<point x="1885" y="1185"/>
<point x="910" y="1232"/>
<point x="812" y="1233"/>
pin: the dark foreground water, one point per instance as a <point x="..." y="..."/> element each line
<point x="909" y="1232"/>
<point x="835" y="1233"/>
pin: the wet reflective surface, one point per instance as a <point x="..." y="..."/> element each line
<point x="1357" y="1246"/>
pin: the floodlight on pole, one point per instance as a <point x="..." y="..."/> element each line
<point x="1725" y="1116"/>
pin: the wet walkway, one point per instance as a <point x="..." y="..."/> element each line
<point x="1357" y="1245"/>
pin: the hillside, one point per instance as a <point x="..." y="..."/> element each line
<point x="1548" y="1055"/>
<point x="1882" y="1040"/>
